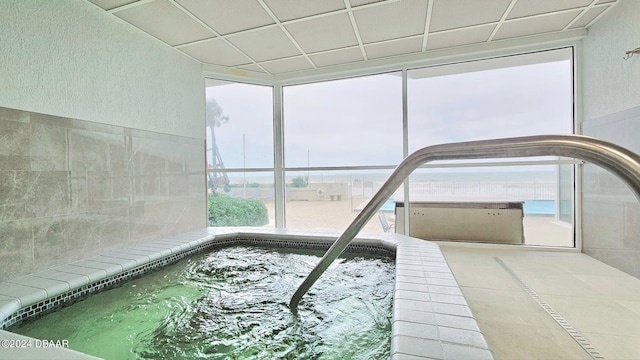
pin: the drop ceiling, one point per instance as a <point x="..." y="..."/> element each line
<point x="281" y="38"/>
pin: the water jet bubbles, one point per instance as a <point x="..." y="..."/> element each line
<point x="237" y="308"/>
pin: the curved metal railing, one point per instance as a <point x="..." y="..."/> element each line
<point x="622" y="162"/>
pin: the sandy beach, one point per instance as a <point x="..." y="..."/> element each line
<point x="338" y="214"/>
<point x="330" y="214"/>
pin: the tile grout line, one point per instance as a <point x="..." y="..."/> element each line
<point x="575" y="335"/>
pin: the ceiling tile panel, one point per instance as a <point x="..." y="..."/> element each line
<point x="591" y="14"/>
<point x="391" y="20"/>
<point x="166" y="22"/>
<point x="535" y="25"/>
<point x="393" y="48"/>
<point x="277" y="33"/>
<point x="112" y="4"/>
<point x="323" y="33"/>
<point x="264" y="44"/>
<point x="238" y="15"/>
<point x="217" y="52"/>
<point x="342" y="56"/>
<point x="295" y="9"/>
<point x="287" y="65"/>
<point x="524" y="8"/>
<point x="459" y="37"/>
<point x="453" y="14"/>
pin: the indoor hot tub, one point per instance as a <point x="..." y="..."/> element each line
<point x="429" y="316"/>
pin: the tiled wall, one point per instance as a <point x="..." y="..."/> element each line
<point x="611" y="213"/>
<point x="70" y="189"/>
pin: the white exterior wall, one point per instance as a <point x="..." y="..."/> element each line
<point x="70" y="58"/>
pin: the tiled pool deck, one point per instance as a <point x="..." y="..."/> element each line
<point x="431" y="318"/>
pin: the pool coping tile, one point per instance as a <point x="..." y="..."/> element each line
<point x="26" y="295"/>
<point x="8" y="305"/>
<point x="92" y="274"/>
<point x="173" y="247"/>
<point x="125" y="264"/>
<point x="74" y="280"/>
<point x="458" y="322"/>
<point x="139" y="259"/>
<point x="409" y="345"/>
<point x="109" y="269"/>
<point x="461" y="352"/>
<point x="462" y="337"/>
<point x="50" y="286"/>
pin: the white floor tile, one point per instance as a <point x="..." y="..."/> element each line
<point x="599" y="301"/>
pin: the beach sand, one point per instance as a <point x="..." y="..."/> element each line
<point x="338" y="215"/>
<point x="333" y="215"/>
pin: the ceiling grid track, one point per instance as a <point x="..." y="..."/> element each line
<point x="600" y="15"/>
<point x="427" y="24"/>
<point x="594" y="5"/>
<point x="354" y="25"/>
<point x="502" y="20"/>
<point x="384" y="32"/>
<point x="129" y="6"/>
<point x="582" y="13"/>
<point x="286" y="32"/>
<point x="217" y="36"/>
<point x="536" y="16"/>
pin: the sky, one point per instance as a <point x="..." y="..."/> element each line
<point x="358" y="121"/>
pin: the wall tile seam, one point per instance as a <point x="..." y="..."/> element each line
<point x="100" y="128"/>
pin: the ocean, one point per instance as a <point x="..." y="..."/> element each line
<point x="434" y="184"/>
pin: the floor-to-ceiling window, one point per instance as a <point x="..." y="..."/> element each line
<point x="239" y="154"/>
<point x="528" y="94"/>
<point x="341" y="138"/>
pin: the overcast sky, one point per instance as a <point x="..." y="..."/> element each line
<point x="359" y="121"/>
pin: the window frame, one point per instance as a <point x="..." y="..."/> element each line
<point x="279" y="169"/>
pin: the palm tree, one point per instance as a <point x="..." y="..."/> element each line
<point x="214" y="118"/>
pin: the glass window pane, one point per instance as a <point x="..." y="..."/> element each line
<point x="239" y="125"/>
<point x="332" y="199"/>
<point x="520" y="95"/>
<point x="245" y="199"/>
<point x="565" y="193"/>
<point x="355" y="121"/>
<point x="533" y="187"/>
<point x="529" y="94"/>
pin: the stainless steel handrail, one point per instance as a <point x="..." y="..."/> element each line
<point x="622" y="162"/>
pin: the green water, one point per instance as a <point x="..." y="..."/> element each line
<point x="232" y="304"/>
